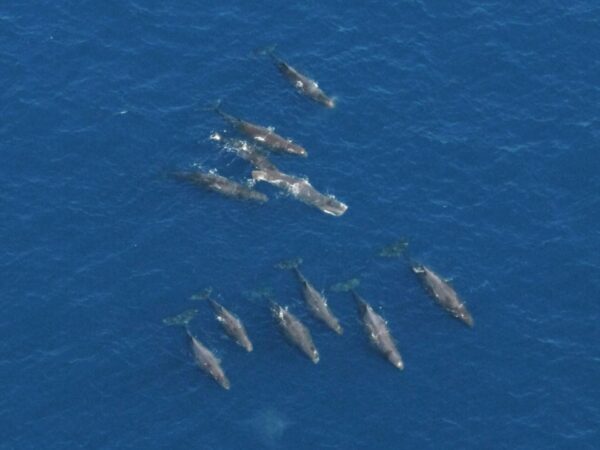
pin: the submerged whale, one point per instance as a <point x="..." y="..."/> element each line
<point x="263" y="135"/>
<point x="443" y="293"/>
<point x="301" y="82"/>
<point x="315" y="300"/>
<point x="295" y="331"/>
<point x="203" y="356"/>
<point x="378" y="332"/>
<point x="302" y="190"/>
<point x="222" y="185"/>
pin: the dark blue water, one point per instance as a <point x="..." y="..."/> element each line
<point x="468" y="127"/>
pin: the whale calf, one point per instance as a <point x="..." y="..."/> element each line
<point x="203" y="356"/>
<point x="302" y="190"/>
<point x="264" y="135"/>
<point x="301" y="82"/>
<point x="222" y="185"/>
<point x="378" y="332"/>
<point x="315" y="300"/>
<point x="443" y="293"/>
<point x="295" y="331"/>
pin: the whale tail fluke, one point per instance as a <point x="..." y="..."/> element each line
<point x="180" y="175"/>
<point x="259" y="294"/>
<point x="182" y="319"/>
<point x="267" y="51"/>
<point x="346" y="286"/>
<point x="204" y="294"/>
<point x="396" y="249"/>
<point x="289" y="264"/>
<point x="216" y="107"/>
<point x="174" y="173"/>
<point x="210" y="106"/>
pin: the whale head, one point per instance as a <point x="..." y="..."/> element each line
<point x="466" y="317"/>
<point x="314" y="354"/>
<point x="330" y="205"/>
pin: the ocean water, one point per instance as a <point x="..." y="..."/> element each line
<point x="469" y="128"/>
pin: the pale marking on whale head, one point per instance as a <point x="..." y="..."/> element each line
<point x="299" y="84"/>
<point x="295" y="188"/>
<point x="259" y="138"/>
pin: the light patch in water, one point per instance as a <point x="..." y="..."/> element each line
<point x="269" y="427"/>
<point x="215" y="137"/>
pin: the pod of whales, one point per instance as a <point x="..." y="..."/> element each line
<point x="264" y="138"/>
<point x="297" y="187"/>
<point x="298" y="333"/>
<point x="267" y="138"/>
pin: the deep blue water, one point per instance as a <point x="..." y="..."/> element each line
<point x="468" y="127"/>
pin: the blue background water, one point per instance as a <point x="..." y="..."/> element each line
<point x="470" y="127"/>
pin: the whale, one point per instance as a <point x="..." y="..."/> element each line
<point x="295" y="331"/>
<point x="232" y="325"/>
<point x="246" y="151"/>
<point x="302" y="190"/>
<point x="265" y="136"/>
<point x="301" y="82"/>
<point x="443" y="294"/>
<point x="222" y="185"/>
<point x="315" y="300"/>
<point x="439" y="289"/>
<point x="206" y="359"/>
<point x="378" y="332"/>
